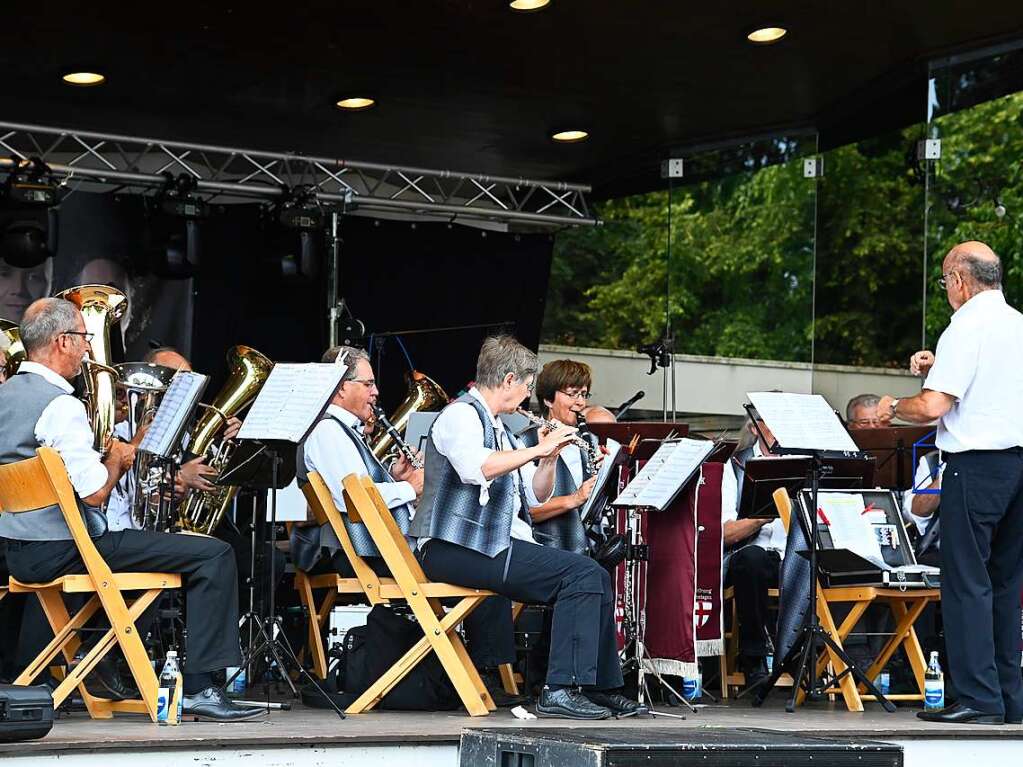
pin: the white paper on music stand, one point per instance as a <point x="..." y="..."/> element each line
<point x="802" y="421"/>
<point x="602" y="475"/>
<point x="849" y="527"/>
<point x="291" y="400"/>
<point x="175" y="409"/>
<point x="291" y="504"/>
<point x="667" y="471"/>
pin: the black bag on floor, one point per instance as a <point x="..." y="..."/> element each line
<point x="370" y="650"/>
<point x="26" y="713"/>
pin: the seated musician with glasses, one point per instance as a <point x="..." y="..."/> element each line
<point x="861" y="412"/>
<point x="563" y="389"/>
<point x="37" y="409"/>
<point x="473" y="529"/>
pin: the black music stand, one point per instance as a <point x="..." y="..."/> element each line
<point x="892" y="446"/>
<point x="268" y="465"/>
<point x="804" y="650"/>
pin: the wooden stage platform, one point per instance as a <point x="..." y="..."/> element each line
<point x="310" y="737"/>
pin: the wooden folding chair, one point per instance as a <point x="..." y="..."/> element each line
<point x="364" y="503"/>
<point x="366" y="582"/>
<point x="42" y="481"/>
<point x="729" y="665"/>
<point x="905" y="606"/>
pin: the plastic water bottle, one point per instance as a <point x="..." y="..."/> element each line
<point x="170" y="690"/>
<point x="769" y="660"/>
<point x="238" y="684"/>
<point x="934" y="685"/>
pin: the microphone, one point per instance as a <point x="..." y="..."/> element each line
<point x="629" y="403"/>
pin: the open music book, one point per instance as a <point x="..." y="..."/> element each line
<point x="665" y="474"/>
<point x="176" y="406"/>
<point x="291" y="401"/>
<point x="802" y="421"/>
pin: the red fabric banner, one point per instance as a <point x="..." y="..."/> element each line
<point x="707" y="614"/>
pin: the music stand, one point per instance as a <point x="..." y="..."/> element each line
<point x="892" y="446"/>
<point x="651" y="434"/>
<point x="803" y="652"/>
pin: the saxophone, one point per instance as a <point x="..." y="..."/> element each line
<point x="202" y="510"/>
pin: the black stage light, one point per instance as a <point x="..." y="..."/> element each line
<point x="174" y="230"/>
<point x="28" y="219"/>
<point x="300" y="211"/>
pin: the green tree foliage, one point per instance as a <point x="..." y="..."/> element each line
<point x="743" y="250"/>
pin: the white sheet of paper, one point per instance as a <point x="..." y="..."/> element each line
<point x="291" y="400"/>
<point x="609" y="461"/>
<point x="849" y="526"/>
<point x="176" y="407"/>
<point x="802" y="421"/>
<point x="664" y="474"/>
<point x="291" y="504"/>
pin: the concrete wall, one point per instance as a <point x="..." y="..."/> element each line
<point x="718" y="386"/>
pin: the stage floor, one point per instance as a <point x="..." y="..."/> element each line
<point x="307" y="727"/>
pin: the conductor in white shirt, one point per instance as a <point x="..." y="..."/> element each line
<point x="974" y="385"/>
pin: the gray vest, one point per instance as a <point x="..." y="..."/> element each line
<point x="450" y="509"/>
<point x="22" y="401"/>
<point x="565" y="531"/>
<point x="307" y="542"/>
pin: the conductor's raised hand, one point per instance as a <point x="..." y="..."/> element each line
<point x="920" y="363"/>
<point x="552" y="443"/>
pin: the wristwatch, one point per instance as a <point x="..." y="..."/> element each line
<point x="895" y="405"/>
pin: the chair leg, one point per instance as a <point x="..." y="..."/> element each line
<point x="315" y="637"/>
<point x="508" y="679"/>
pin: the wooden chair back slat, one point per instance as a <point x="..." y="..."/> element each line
<point x="378" y="518"/>
<point x="24" y="487"/>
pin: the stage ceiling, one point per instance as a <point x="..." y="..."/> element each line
<point x="469" y="85"/>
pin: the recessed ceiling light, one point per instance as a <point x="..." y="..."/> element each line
<point x="528" y="5"/>
<point x="570" y="136"/>
<point x="84" y="78"/>
<point x="355" y="103"/>
<point x="766" y="35"/>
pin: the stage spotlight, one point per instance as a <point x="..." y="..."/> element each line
<point x="28" y="220"/>
<point x="766" y="35"/>
<point x="83" y="79"/>
<point x="570" y="136"/>
<point x="174" y="228"/>
<point x="299" y="211"/>
<point x="355" y="103"/>
<point x="528" y="5"/>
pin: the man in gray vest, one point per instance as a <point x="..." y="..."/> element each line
<point x="473" y="529"/>
<point x="38" y="409"/>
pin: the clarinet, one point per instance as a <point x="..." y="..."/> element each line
<point x="400" y="444"/>
<point x="589" y="453"/>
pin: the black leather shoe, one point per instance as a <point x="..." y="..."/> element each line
<point x="495" y="687"/>
<point x="105" y="681"/>
<point x="567" y="703"/>
<point x="959" y="714"/>
<point x="754" y="669"/>
<point x="212" y="705"/>
<point x="618" y="704"/>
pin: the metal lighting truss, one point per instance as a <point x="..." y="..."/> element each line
<point x="230" y="173"/>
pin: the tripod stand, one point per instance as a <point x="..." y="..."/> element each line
<point x="266" y="632"/>
<point x="803" y="652"/>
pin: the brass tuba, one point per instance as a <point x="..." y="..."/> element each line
<point x="101" y="307"/>
<point x="202" y="511"/>
<point x="424" y="395"/>
<point x="11" y="346"/>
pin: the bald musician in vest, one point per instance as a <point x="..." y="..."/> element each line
<point x="973" y="387"/>
<point x="37" y="408"/>
<point x="473" y="529"/>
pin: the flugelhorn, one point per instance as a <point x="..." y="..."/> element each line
<point x="424" y="395"/>
<point x="101" y="307"/>
<point x="203" y="510"/>
<point x="11" y="346"/>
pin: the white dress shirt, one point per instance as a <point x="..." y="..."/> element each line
<point x="979" y="361"/>
<point x="119" y="516"/>
<point x="331" y="452"/>
<point x="64" y="426"/>
<point x="922" y="479"/>
<point x="770" y="536"/>
<point x="458" y="436"/>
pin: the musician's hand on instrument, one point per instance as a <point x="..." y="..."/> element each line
<point x="415" y="478"/>
<point x="583" y="493"/>
<point x="551" y="444"/>
<point x="193" y="474"/>
<point x="921" y="363"/>
<point x="122" y="454"/>
<point x="401" y="467"/>
<point x="234" y="425"/>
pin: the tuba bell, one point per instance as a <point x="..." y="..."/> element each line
<point x="424" y="395"/>
<point x="101" y="307"/>
<point x="11" y="346"/>
<point x="202" y="511"/>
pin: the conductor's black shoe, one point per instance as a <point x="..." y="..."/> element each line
<point x="618" y="704"/>
<point x="212" y="705"/>
<point x="502" y="699"/>
<point x="960" y="714"/>
<point x="567" y="703"/>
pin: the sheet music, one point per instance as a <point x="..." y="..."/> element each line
<point x="606" y="466"/>
<point x="850" y="528"/>
<point x="291" y="400"/>
<point x="802" y="421"/>
<point x="175" y="409"/>
<point x="667" y="471"/>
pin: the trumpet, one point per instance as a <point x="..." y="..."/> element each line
<point x="590" y="454"/>
<point x="398" y="441"/>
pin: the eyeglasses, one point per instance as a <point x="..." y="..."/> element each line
<point x="865" y="423"/>
<point x="583" y="395"/>
<point x="369" y="383"/>
<point x="943" y="279"/>
<point x="87" y="336"/>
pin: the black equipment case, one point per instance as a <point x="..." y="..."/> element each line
<point x="26" y="713"/>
